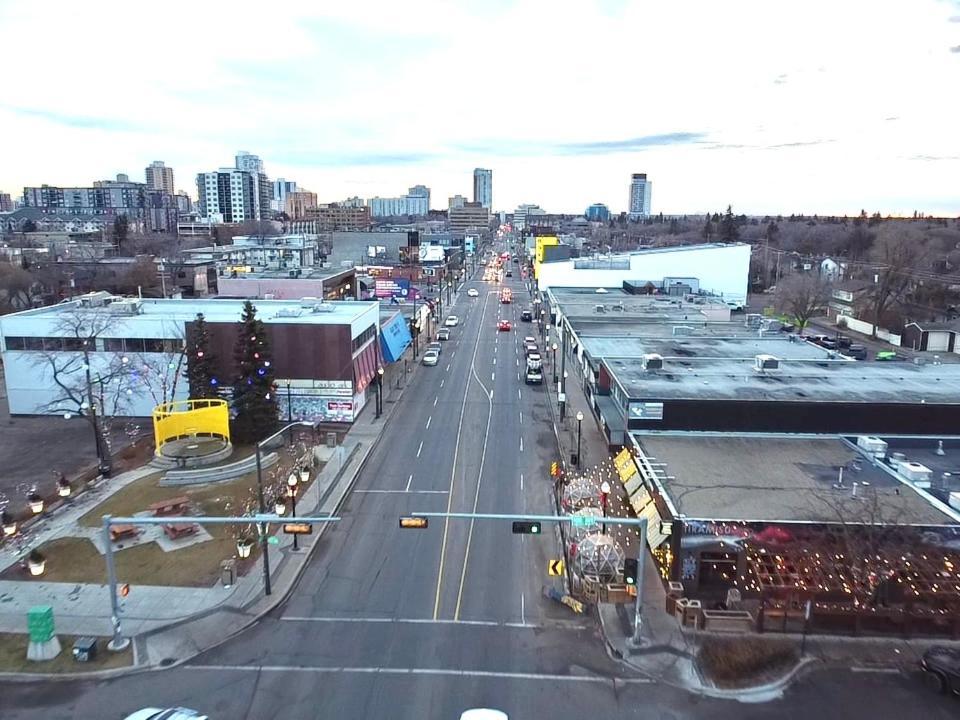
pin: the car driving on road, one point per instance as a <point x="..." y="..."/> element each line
<point x="452" y="321"/>
<point x="941" y="668"/>
<point x="431" y="357"/>
<point x="443" y="334"/>
<point x="504" y="326"/>
<point x="473" y="292"/>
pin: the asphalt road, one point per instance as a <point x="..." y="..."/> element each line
<point x="390" y="623"/>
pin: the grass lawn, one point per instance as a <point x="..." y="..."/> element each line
<point x="77" y="560"/>
<point x="13" y="656"/>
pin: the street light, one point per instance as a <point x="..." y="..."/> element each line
<point x="579" y="421"/>
<point x="379" y="394"/>
<point x="292" y="481"/>
<point x="604" y="493"/>
<point x="554" y="348"/>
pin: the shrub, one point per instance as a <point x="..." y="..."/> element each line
<point x="738" y="660"/>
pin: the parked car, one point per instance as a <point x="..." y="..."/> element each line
<point x="529" y="339"/>
<point x="443" y="334"/>
<point x="435" y="346"/>
<point x="177" y="713"/>
<point x="856" y="351"/>
<point x="452" y="321"/>
<point x="504" y="326"/>
<point x="941" y="668"/>
<point x="473" y="292"/>
<point x="431" y="357"/>
<point x="526" y="316"/>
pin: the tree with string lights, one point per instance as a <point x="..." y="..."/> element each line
<point x="201" y="363"/>
<point x="255" y="407"/>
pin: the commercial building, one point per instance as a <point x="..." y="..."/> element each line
<point x="598" y="212"/>
<point x="456" y="202"/>
<point x="483" y="187"/>
<point x="159" y="177"/>
<point x="524" y="215"/>
<point x="298" y="203"/>
<point x="278" y="193"/>
<point x="325" y="354"/>
<point x="184" y="203"/>
<point x="228" y="195"/>
<point x="6" y="202"/>
<point x="720" y="269"/>
<point x="416" y="202"/>
<point x="337" y="216"/>
<point x="471" y="217"/>
<point x="326" y="283"/>
<point x="640" y="190"/>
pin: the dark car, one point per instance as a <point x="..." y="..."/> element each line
<point x="856" y="351"/>
<point x="941" y="668"/>
<point x="526" y="316"/>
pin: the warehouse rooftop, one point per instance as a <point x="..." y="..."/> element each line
<point x="782" y="478"/>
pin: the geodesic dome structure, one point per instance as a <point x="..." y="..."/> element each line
<point x="580" y="493"/>
<point x="599" y="555"/>
<point x="578" y="532"/>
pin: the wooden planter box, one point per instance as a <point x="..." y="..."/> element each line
<point x="727" y="621"/>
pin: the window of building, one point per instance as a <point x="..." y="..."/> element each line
<point x="16" y="343"/>
<point x="113" y="344"/>
<point x="153" y="345"/>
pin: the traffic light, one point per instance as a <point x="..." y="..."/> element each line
<point x="630" y="571"/>
<point x="523" y="527"/>
<point x="554" y="469"/>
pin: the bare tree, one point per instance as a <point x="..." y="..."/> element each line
<point x="898" y="256"/>
<point x="802" y="296"/>
<point x="16" y="288"/>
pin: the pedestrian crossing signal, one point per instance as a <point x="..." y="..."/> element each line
<point x="630" y="571"/>
<point x="523" y="527"/>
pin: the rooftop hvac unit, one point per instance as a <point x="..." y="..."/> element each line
<point x="652" y="361"/>
<point x="289" y="313"/>
<point x="308" y="302"/>
<point x="95" y="299"/>
<point x="126" y="306"/>
<point x="766" y="362"/>
<point x="599" y="308"/>
<point x="323" y="307"/>
<point x="269" y="296"/>
<point x="916" y="473"/>
<point x="753" y="320"/>
<point x="873" y="446"/>
<point x="679" y="330"/>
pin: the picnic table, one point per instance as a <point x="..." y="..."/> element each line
<point x="173" y="506"/>
<point x="122" y="532"/>
<point x="175" y="531"/>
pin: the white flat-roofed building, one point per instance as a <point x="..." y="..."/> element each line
<point x="327" y="351"/>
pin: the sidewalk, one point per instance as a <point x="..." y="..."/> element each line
<point x="169" y="625"/>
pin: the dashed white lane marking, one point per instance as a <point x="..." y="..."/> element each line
<point x="409" y="481"/>
<point x="448" y="367"/>
<point x="521" y="444"/>
<point x="454" y="354"/>
<point x="521" y="481"/>
<point x="492" y="376"/>
<point x="519" y="396"/>
<point x="523" y="613"/>
<point x="435" y="400"/>
<point x="494" y="361"/>
<point x="878" y="670"/>
<point x="419" y="449"/>
<point x="429" y="419"/>
<point x="521" y="417"/>
<point x="401" y="492"/>
<point x="441" y="383"/>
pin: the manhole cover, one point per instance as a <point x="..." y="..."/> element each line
<point x="167" y="662"/>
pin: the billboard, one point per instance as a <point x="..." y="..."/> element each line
<point x="394" y="338"/>
<point x="398" y="288"/>
<point x="432" y="253"/>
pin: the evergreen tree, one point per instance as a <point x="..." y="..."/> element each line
<point x="707" y="229"/>
<point x="254" y="404"/>
<point x="729" y="232"/>
<point x="121" y="230"/>
<point x="201" y="363"/>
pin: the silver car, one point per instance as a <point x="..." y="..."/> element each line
<point x="431" y="357"/>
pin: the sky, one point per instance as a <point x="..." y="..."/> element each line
<point x="771" y="107"/>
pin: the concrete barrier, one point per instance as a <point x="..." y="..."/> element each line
<point x="727" y="621"/>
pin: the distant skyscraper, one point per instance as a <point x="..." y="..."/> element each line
<point x="281" y="187"/>
<point x="254" y="165"/>
<point x="640" y="195"/>
<point x="159" y="177"/>
<point x="228" y="195"/>
<point x="483" y="187"/>
<point x="421" y="191"/>
<point x="598" y="212"/>
<point x="6" y="202"/>
<point x="416" y="202"/>
<point x="455" y="202"/>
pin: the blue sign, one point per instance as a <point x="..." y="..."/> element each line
<point x="394" y="338"/>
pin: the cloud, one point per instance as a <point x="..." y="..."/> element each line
<point x="83" y="122"/>
<point x="955" y="49"/>
<point x="934" y="158"/>
<point x="631" y="144"/>
<point x="780" y="79"/>
<point x="799" y="143"/>
<point x="357" y="158"/>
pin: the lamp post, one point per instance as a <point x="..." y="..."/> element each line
<point x="579" y="421"/>
<point x="604" y="494"/>
<point x="379" y="396"/>
<point x="263" y="527"/>
<point x="292" y="481"/>
<point x="554" y="348"/>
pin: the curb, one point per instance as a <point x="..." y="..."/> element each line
<point x="280" y="598"/>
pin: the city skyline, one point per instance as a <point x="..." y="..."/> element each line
<point x="765" y="125"/>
